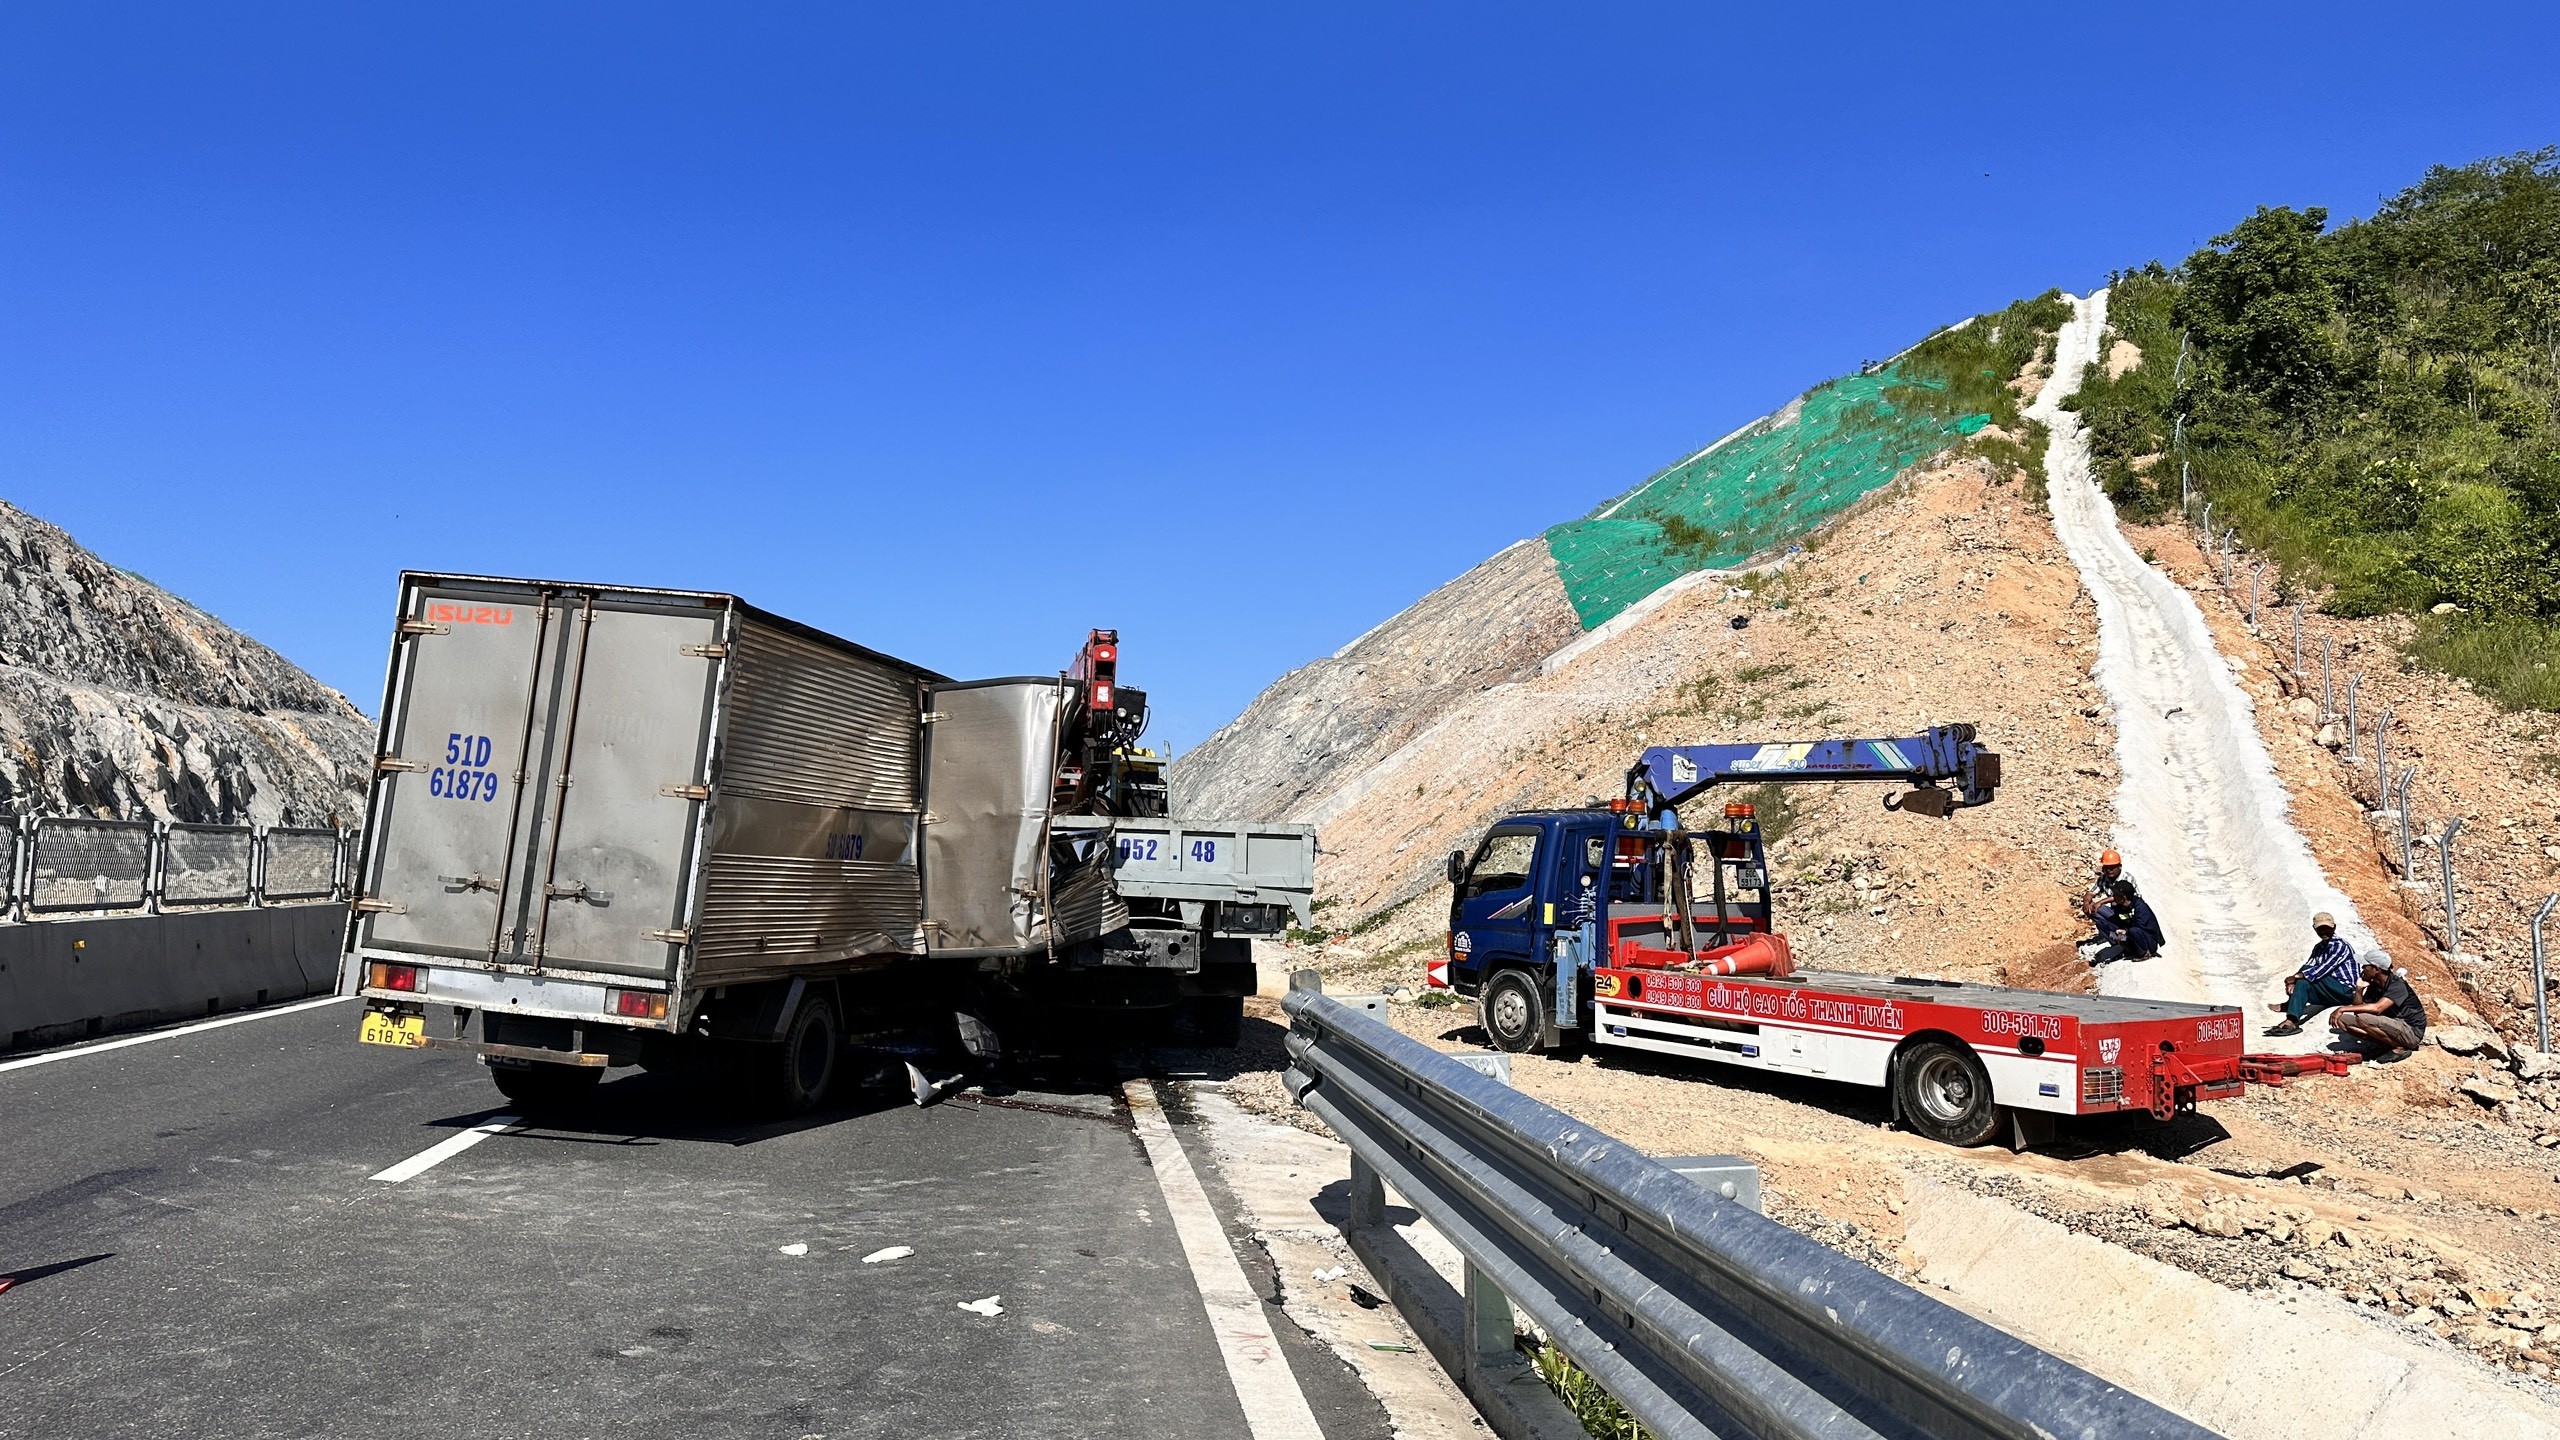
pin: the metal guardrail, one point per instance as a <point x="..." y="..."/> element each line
<point x="1699" y="1315"/>
<point x="63" y="866"/>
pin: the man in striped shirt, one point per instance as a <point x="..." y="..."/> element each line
<point x="2330" y="977"/>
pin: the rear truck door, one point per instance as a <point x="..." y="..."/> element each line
<point x="446" y="781"/>
<point x="546" y="774"/>
<point x="608" y="855"/>
<point x="1494" y="924"/>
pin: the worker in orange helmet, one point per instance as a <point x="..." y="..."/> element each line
<point x="2102" y="890"/>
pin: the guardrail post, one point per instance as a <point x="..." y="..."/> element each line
<point x="1492" y="1336"/>
<point x="1368" y="1193"/>
<point x="2452" y="906"/>
<point x="2541" y="1010"/>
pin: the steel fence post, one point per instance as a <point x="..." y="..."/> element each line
<point x="2452" y="905"/>
<point x="155" y="866"/>
<point x="2352" y="682"/>
<point x="2328" y="712"/>
<point x="2256" y="572"/>
<point x="2382" y="760"/>
<point x="2407" y="861"/>
<point x="2541" y="1010"/>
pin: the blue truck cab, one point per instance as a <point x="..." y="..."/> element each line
<point x="1529" y="910"/>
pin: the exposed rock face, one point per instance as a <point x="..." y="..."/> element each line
<point x="118" y="698"/>
<point x="1322" y="724"/>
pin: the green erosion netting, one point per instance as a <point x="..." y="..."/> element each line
<point x="1761" y="488"/>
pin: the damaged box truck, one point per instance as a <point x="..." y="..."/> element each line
<point x="615" y="826"/>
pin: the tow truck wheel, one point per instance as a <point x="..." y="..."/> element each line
<point x="1512" y="1012"/>
<point x="539" y="1087"/>
<point x="1946" y="1094"/>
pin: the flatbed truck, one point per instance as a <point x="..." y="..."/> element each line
<point x="1617" y="927"/>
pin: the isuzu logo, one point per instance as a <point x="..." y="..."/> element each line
<point x="471" y="614"/>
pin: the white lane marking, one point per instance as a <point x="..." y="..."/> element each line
<point x="242" y="1018"/>
<point x="1274" y="1407"/>
<point x="443" y="1150"/>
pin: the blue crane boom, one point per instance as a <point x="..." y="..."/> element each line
<point x="1943" y="755"/>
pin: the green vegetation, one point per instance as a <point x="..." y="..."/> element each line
<point x="1602" y="1417"/>
<point x="1969" y="369"/>
<point x="2376" y="407"/>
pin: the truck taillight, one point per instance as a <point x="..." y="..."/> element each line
<point x="640" y="1004"/>
<point x="383" y="976"/>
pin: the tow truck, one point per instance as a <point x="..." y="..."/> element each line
<point x="1619" y="926"/>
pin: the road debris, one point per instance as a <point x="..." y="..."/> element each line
<point x="987" y="1307"/>
<point x="796" y="1247"/>
<point x="894" y="1252"/>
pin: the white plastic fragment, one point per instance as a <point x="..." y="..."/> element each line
<point x="894" y="1252"/>
<point x="796" y="1247"/>
<point x="987" y="1307"/>
<point x="1331" y="1274"/>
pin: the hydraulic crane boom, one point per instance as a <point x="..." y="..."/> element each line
<point x="1667" y="775"/>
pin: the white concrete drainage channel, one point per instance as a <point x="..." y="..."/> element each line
<point x="2200" y="815"/>
<point x="2251" y="1366"/>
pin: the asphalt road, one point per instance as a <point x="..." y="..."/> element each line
<point x="199" y="1251"/>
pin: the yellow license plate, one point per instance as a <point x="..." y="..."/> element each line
<point x="409" y="1032"/>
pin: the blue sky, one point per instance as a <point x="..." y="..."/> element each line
<point x="957" y="329"/>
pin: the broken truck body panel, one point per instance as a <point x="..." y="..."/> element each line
<point x="597" y="809"/>
<point x="623" y="788"/>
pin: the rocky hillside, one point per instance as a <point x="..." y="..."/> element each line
<point x="1751" y="494"/>
<point x="118" y="698"/>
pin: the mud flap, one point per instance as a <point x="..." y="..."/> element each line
<point x="2028" y="1129"/>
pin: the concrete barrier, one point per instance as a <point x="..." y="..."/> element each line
<point x="66" y="980"/>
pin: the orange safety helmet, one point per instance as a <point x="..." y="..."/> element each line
<point x="2109" y="857"/>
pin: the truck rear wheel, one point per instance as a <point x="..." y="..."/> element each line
<point x="540" y="1088"/>
<point x="796" y="1073"/>
<point x="1217" y="1021"/>
<point x="1513" y="1012"/>
<point x="1945" y="1094"/>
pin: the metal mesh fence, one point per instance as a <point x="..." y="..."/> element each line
<point x="301" y="864"/>
<point x="89" y="865"/>
<point x="206" y="865"/>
